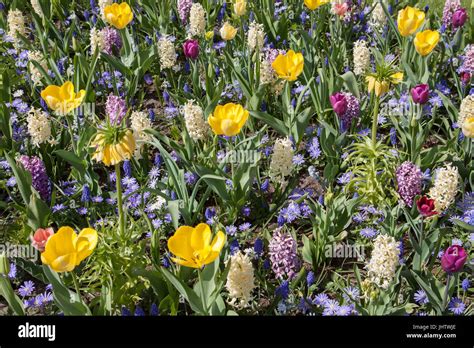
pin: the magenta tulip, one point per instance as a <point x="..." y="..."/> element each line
<point x="453" y="259"/>
<point x="339" y="103"/>
<point x="459" y="18"/>
<point x="420" y="94"/>
<point x="191" y="49"/>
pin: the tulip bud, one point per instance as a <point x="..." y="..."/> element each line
<point x="339" y="103"/>
<point x="41" y="236"/>
<point x="453" y="259"/>
<point x="420" y="94"/>
<point x="465" y="77"/>
<point x="240" y="7"/>
<point x="191" y="49"/>
<point x="459" y="18"/>
<point x="227" y="32"/>
<point x="4" y="265"/>
<point x="426" y="206"/>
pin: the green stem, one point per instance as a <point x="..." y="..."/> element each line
<point x="374" y="121"/>
<point x="76" y="286"/>
<point x="71" y="133"/>
<point x="118" y="182"/>
<point x="203" y="295"/>
<point x="446" y="291"/>
<point x="422" y="236"/>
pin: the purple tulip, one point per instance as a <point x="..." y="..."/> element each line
<point x="459" y="18"/>
<point x="191" y="49"/>
<point x="339" y="103"/>
<point x="453" y="259"/>
<point x="420" y="94"/>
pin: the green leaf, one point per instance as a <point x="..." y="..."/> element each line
<point x="6" y="290"/>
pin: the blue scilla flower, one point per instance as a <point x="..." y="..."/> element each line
<point x="310" y="278"/>
<point x="283" y="290"/>
<point x="258" y="247"/>
<point x="86" y="194"/>
<point x="465" y="284"/>
<point x="127" y="168"/>
<point x="154" y="310"/>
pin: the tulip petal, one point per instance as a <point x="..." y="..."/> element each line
<point x="180" y="243"/>
<point x="201" y="236"/>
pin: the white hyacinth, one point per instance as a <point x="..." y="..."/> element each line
<point x="282" y="160"/>
<point x="166" y="52"/>
<point x="445" y="187"/>
<point x="361" y="57"/>
<point x="102" y="5"/>
<point x="378" y="19"/>
<point x="139" y="122"/>
<point x="267" y="74"/>
<point x="39" y="126"/>
<point x="467" y="109"/>
<point x="37" y="7"/>
<point x="197" y="20"/>
<point x="16" y="26"/>
<point x="240" y="279"/>
<point x="35" y="73"/>
<point x="97" y="40"/>
<point x="383" y="261"/>
<point x="255" y="36"/>
<point x="194" y="119"/>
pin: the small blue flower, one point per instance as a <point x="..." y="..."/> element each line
<point x="27" y="288"/>
<point x="421" y="297"/>
<point x="283" y="290"/>
<point x="456" y="306"/>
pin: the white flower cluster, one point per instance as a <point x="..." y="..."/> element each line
<point x="102" y="5"/>
<point x="35" y="73"/>
<point x="97" y="40"/>
<point x="194" y="119"/>
<point x="37" y="7"/>
<point x="197" y="20"/>
<point x="445" y="187"/>
<point x="384" y="260"/>
<point x="240" y="279"/>
<point x="166" y="52"/>
<point x="255" y="36"/>
<point x="16" y="25"/>
<point x="282" y="160"/>
<point x="267" y="74"/>
<point x="39" y="126"/>
<point x="378" y="19"/>
<point x="139" y="122"/>
<point x="467" y="109"/>
<point x="361" y="57"/>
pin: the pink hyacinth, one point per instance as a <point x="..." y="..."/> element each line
<point x="111" y="38"/>
<point x="283" y="255"/>
<point x="115" y="108"/>
<point x="409" y="179"/>
<point x="184" y="7"/>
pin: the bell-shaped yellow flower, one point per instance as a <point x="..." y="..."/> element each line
<point x="227" y="31"/>
<point x="426" y="41"/>
<point x="379" y="86"/>
<point x="119" y="15"/>
<point x="111" y="149"/>
<point x="62" y="99"/>
<point x="65" y="250"/>
<point x="468" y="127"/>
<point x="410" y="20"/>
<point x="314" y="4"/>
<point x="228" y="119"/>
<point x="240" y="7"/>
<point x="288" y="66"/>
<point x="193" y="247"/>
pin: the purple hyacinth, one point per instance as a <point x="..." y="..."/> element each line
<point x="468" y="60"/>
<point x="409" y="180"/>
<point x="450" y="7"/>
<point x="115" y="109"/>
<point x="283" y="255"/>
<point x="39" y="178"/>
<point x="184" y="6"/>
<point x="352" y="111"/>
<point x="111" y="38"/>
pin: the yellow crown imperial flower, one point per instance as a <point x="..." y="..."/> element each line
<point x="113" y="145"/>
<point x="314" y="4"/>
<point x="119" y="15"/>
<point x="410" y="20"/>
<point x="288" y="66"/>
<point x="62" y="99"/>
<point x="65" y="250"/>
<point x="426" y="41"/>
<point x="194" y="246"/>
<point x="228" y="119"/>
<point x="382" y="86"/>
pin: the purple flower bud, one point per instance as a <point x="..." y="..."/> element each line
<point x="339" y="103"/>
<point x="453" y="259"/>
<point x="191" y="49"/>
<point x="420" y="94"/>
<point x="459" y="18"/>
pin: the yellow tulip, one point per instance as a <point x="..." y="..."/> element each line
<point x="426" y="41"/>
<point x="209" y="35"/>
<point x="227" y="31"/>
<point x="65" y="250"/>
<point x="119" y="15"/>
<point x="410" y="20"/>
<point x="193" y="246"/>
<point x="110" y="152"/>
<point x="62" y="99"/>
<point x="396" y="78"/>
<point x="314" y="4"/>
<point x="288" y="66"/>
<point x="228" y="119"/>
<point x="468" y="127"/>
<point x="240" y="7"/>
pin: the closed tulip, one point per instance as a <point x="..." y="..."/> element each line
<point x="420" y="94"/>
<point x="240" y="7"/>
<point x="426" y="206"/>
<point x="410" y="20"/>
<point x="228" y="119"/>
<point x="459" y="18"/>
<point x="194" y="246"/>
<point x="468" y="127"/>
<point x="227" y="31"/>
<point x="40" y="237"/>
<point x="191" y="49"/>
<point x="119" y="15"/>
<point x="426" y="41"/>
<point x="314" y="4"/>
<point x="65" y="250"/>
<point x="453" y="259"/>
<point x="339" y="103"/>
<point x="62" y="99"/>
<point x="288" y="66"/>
